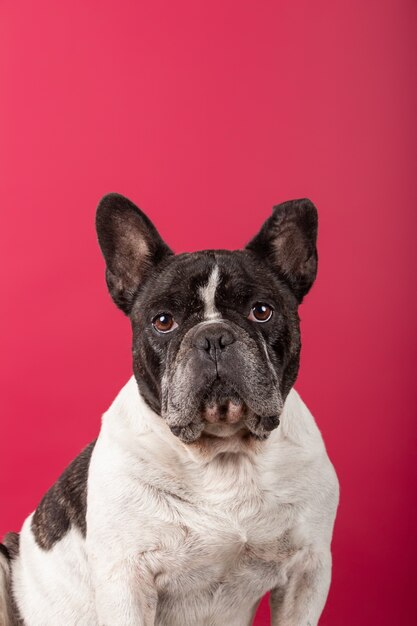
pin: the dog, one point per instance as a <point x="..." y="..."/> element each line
<point x="209" y="484"/>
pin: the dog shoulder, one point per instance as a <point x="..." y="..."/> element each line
<point x="302" y="470"/>
<point x="64" y="504"/>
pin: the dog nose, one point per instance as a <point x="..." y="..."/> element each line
<point x="213" y="339"/>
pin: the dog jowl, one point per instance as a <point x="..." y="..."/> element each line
<point x="216" y="339"/>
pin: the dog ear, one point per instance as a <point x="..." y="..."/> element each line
<point x="131" y="247"/>
<point x="287" y="243"/>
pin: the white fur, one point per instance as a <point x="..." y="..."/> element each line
<point x="53" y="586"/>
<point x="207" y="294"/>
<point x="175" y="539"/>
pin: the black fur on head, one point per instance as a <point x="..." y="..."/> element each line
<point x="201" y="354"/>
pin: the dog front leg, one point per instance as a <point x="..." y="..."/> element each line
<point x="301" y="600"/>
<point x="125" y="595"/>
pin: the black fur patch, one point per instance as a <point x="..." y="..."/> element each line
<point x="10" y="549"/>
<point x="4" y="551"/>
<point x="11" y="544"/>
<point x="64" y="505"/>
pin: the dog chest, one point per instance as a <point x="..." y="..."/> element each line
<point x="213" y="535"/>
<point x="254" y="558"/>
<point x="235" y="535"/>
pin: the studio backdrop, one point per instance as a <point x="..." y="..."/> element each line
<point x="206" y="114"/>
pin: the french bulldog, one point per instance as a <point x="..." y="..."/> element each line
<point x="209" y="484"/>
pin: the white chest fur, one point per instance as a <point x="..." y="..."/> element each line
<point x="211" y="537"/>
<point x="228" y="547"/>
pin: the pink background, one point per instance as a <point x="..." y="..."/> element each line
<point x="206" y="114"/>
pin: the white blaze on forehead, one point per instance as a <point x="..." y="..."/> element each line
<point x="207" y="294"/>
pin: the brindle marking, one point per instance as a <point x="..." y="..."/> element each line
<point x="10" y="549"/>
<point x="65" y="504"/>
<point x="11" y="543"/>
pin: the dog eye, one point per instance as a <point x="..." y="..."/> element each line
<point x="164" y="323"/>
<point x="261" y="312"/>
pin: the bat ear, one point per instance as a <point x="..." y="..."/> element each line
<point x="131" y="247"/>
<point x="287" y="243"/>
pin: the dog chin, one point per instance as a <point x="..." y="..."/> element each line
<point x="229" y="427"/>
<point x="223" y="430"/>
<point x="218" y="439"/>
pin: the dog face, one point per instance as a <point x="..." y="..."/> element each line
<point x="216" y="339"/>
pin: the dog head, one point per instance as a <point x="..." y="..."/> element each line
<point x="216" y="338"/>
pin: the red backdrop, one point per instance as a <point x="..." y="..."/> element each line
<point x="206" y="114"/>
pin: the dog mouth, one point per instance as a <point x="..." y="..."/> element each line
<point x="223" y="416"/>
<point x="226" y="411"/>
<point x="225" y="419"/>
<point x="223" y="411"/>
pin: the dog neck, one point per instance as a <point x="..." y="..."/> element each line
<point x="137" y="428"/>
